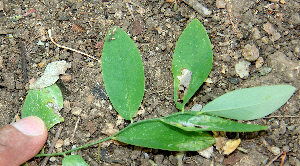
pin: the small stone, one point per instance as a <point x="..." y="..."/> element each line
<point x="268" y="27"/>
<point x="256" y="33"/>
<point x="221" y="4"/>
<point x="196" y="107"/>
<point x="42" y="64"/>
<point x="297" y="49"/>
<point x="67" y="142"/>
<point x="206" y="152"/>
<point x="265" y="70"/>
<point x="286" y="148"/>
<point x="295" y="18"/>
<point x="65" y="77"/>
<point x="259" y="62"/>
<point x="250" y="52"/>
<point x="242" y="69"/>
<point x="59" y="143"/>
<point x="265" y="40"/>
<point x="275" y="150"/>
<point x="76" y="111"/>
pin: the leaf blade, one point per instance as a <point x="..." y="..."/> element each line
<point x="250" y="103"/>
<point x="194" y="53"/>
<point x="196" y="121"/>
<point x="156" y="134"/>
<point x="123" y="73"/>
<point x="73" y="160"/>
<point x="44" y="104"/>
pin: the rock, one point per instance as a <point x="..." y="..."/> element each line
<point x="265" y="40"/>
<point x="294" y="19"/>
<point x="268" y="27"/>
<point x="221" y="4"/>
<point x="275" y="150"/>
<point x="250" y="52"/>
<point x="259" y="62"/>
<point x="207" y="152"/>
<point x="256" y="34"/>
<point x="242" y="69"/>
<point x="76" y="111"/>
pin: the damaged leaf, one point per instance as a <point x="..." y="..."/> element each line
<point x="226" y="146"/>
<point x="44" y="103"/>
<point x="51" y="74"/>
<point x="123" y="73"/>
<point x="156" y="134"/>
<point x="192" y="62"/>
<point x="196" y="121"/>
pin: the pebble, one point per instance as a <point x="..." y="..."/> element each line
<point x="221" y="4"/>
<point x="242" y="69"/>
<point x="206" y="152"/>
<point x="259" y="62"/>
<point x="256" y="33"/>
<point x="275" y="150"/>
<point x="250" y="52"/>
<point x="265" y="40"/>
<point x="76" y="111"/>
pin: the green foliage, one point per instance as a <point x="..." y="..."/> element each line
<point x="123" y="73"/>
<point x="194" y="53"/>
<point x="123" y="76"/>
<point x="250" y="103"/>
<point x="197" y="121"/>
<point x="73" y="160"/>
<point x="156" y="134"/>
<point x="45" y="104"/>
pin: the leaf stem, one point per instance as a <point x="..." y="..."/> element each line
<point x="81" y="147"/>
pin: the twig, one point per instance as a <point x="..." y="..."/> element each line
<point x="282" y="158"/>
<point x="23" y="53"/>
<point x="274" y="159"/>
<point x="130" y="11"/>
<point x="52" y="145"/>
<point x="198" y="7"/>
<point x="50" y="36"/>
<point x="75" y="128"/>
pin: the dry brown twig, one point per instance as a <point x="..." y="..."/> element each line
<point x="71" y="49"/>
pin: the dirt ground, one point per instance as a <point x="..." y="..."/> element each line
<point x="270" y="29"/>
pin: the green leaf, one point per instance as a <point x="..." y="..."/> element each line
<point x="193" y="54"/>
<point x="250" y="103"/>
<point x="45" y="104"/>
<point x="156" y="134"/>
<point x="196" y="121"/>
<point x="123" y="73"/>
<point x="73" y="160"/>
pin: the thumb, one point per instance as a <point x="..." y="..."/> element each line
<point x="22" y="140"/>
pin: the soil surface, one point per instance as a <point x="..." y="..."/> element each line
<point x="261" y="35"/>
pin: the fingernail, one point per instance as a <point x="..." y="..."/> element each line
<point x="31" y="126"/>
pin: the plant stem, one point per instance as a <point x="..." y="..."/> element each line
<point x="81" y="147"/>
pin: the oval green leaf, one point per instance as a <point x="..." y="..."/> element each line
<point x="123" y="73"/>
<point x="159" y="135"/>
<point x="192" y="62"/>
<point x="250" y="103"/>
<point x="195" y="121"/>
<point x="45" y="104"/>
<point x="73" y="160"/>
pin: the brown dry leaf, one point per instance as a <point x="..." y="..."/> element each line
<point x="59" y="143"/>
<point x="220" y="142"/>
<point x="230" y="146"/>
<point x="91" y="127"/>
<point x="185" y="80"/>
<point x="268" y="27"/>
<point x="51" y="74"/>
<point x="172" y="1"/>
<point x="108" y="129"/>
<point x="78" y="28"/>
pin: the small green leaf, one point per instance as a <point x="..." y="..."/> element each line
<point x="156" y="134"/>
<point x="73" y="160"/>
<point x="45" y="104"/>
<point x="250" y="103"/>
<point x="123" y="73"/>
<point x="195" y="121"/>
<point x="192" y="62"/>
